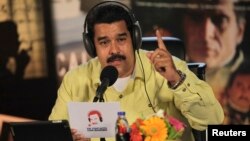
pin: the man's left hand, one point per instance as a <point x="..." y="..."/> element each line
<point x="163" y="62"/>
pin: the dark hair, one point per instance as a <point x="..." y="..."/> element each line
<point x="107" y="14"/>
<point x="243" y="69"/>
<point x="239" y="11"/>
<point x="238" y="7"/>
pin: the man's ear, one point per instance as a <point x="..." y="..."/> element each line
<point x="241" y="30"/>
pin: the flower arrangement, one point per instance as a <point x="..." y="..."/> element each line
<point x="158" y="127"/>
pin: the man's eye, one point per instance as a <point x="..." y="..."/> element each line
<point x="239" y="84"/>
<point x="104" y="43"/>
<point x="121" y="39"/>
<point x="220" y="21"/>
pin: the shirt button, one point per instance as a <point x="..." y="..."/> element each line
<point x="120" y="96"/>
<point x="188" y="84"/>
<point x="184" y="89"/>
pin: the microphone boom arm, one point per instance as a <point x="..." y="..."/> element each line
<point x="100" y="90"/>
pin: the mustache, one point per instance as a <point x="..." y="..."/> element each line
<point x="116" y="57"/>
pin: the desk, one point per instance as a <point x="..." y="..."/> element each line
<point x="9" y="118"/>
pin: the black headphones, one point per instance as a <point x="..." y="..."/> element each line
<point x="136" y="29"/>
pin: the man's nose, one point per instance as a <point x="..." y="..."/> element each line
<point x="114" y="48"/>
<point x="208" y="28"/>
<point x="245" y="91"/>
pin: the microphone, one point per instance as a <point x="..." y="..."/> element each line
<point x="108" y="77"/>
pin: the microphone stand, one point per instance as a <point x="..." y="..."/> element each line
<point x="100" y="99"/>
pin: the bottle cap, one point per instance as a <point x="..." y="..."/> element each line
<point x="121" y="113"/>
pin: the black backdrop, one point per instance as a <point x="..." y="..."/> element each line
<point x="32" y="97"/>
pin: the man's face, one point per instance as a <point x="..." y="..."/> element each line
<point x="212" y="36"/>
<point x="94" y="119"/>
<point x="114" y="47"/>
<point x="239" y="93"/>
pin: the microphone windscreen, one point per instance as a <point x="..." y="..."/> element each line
<point x="110" y="73"/>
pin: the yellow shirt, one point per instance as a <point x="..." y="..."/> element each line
<point x="193" y="101"/>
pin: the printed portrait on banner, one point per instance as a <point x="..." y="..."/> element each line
<point x="215" y="32"/>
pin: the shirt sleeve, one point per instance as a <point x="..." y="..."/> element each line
<point x="196" y="101"/>
<point x="60" y="111"/>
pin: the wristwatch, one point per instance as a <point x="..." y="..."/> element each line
<point x="177" y="84"/>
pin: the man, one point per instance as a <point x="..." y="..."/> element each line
<point x="160" y="81"/>
<point x="236" y="99"/>
<point x="213" y="32"/>
<point x="95" y="118"/>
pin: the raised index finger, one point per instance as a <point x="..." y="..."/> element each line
<point x="161" y="44"/>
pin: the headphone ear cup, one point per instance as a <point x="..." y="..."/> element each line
<point x="88" y="44"/>
<point x="89" y="119"/>
<point x="101" y="119"/>
<point x="137" y="36"/>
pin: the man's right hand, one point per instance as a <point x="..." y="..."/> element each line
<point x="78" y="137"/>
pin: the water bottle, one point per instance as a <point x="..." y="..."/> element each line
<point x="122" y="127"/>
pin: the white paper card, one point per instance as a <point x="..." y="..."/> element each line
<point x="94" y="120"/>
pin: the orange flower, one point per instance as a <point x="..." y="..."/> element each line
<point x="154" y="129"/>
